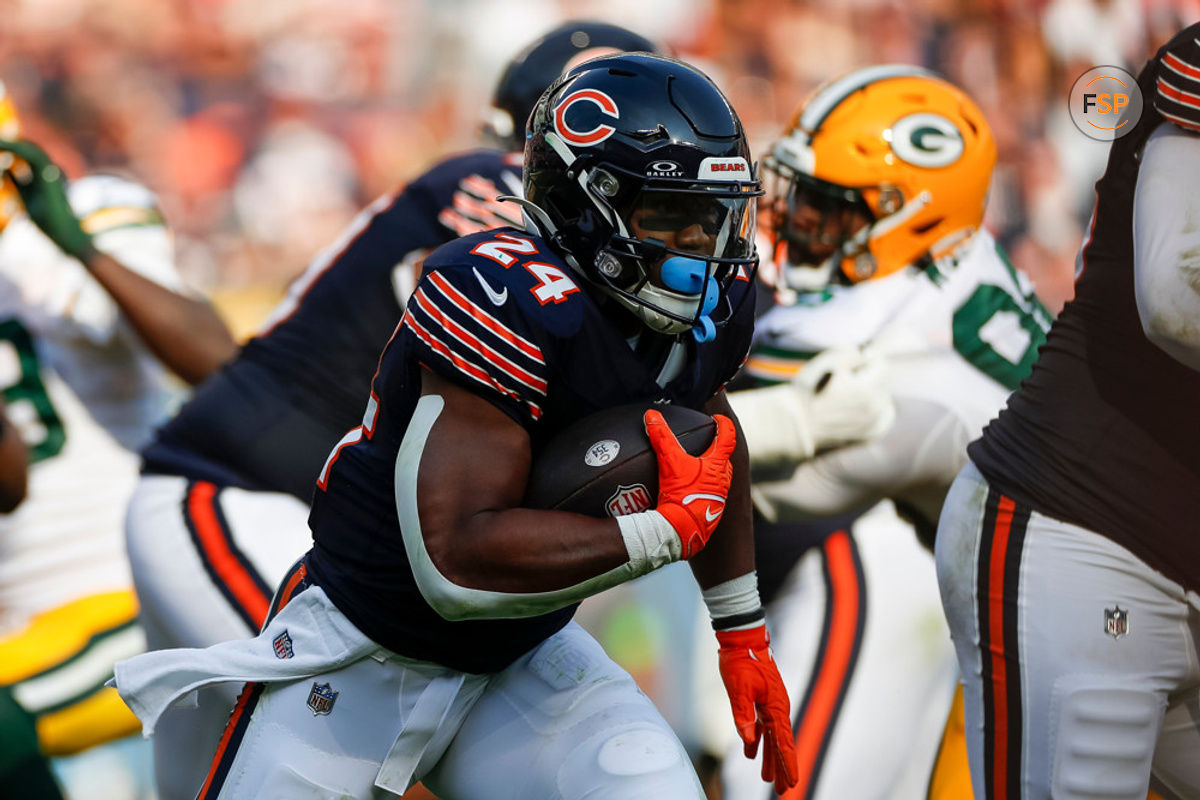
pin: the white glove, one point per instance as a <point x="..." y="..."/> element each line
<point x="838" y="397"/>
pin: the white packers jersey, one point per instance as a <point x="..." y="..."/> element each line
<point x="65" y="540"/>
<point x="77" y="327"/>
<point x="84" y="392"/>
<point x="958" y="338"/>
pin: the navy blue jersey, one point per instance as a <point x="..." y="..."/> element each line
<point x="503" y="316"/>
<point x="268" y="419"/>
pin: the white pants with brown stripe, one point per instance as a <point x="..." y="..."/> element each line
<point x="206" y="560"/>
<point x="1080" y="663"/>
<point x="860" y="640"/>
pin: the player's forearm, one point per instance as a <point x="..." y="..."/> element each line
<point x="532" y="562"/>
<point x="525" y="550"/>
<point x="730" y="551"/>
<point x="185" y="333"/>
<point x="475" y="553"/>
<point x="924" y="448"/>
<point x="811" y="492"/>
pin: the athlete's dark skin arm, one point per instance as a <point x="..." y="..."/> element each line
<point x="730" y="551"/>
<point x="472" y="478"/>
<point x="14" y="464"/>
<point x="183" y="332"/>
<point x="470" y="485"/>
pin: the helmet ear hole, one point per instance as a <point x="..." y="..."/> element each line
<point x="890" y="200"/>
<point x="604" y="182"/>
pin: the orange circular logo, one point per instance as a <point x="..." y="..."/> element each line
<point x="1105" y="103"/>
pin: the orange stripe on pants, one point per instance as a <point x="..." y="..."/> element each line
<point x="832" y="673"/>
<point x="995" y="639"/>
<point x="286" y="595"/>
<point x="225" y="563"/>
<point x="239" y="712"/>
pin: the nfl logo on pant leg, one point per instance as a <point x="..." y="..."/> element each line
<point x="321" y="698"/>
<point x="1116" y="621"/>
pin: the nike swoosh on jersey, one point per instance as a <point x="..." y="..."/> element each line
<point x="497" y="298"/>
<point x="708" y="515"/>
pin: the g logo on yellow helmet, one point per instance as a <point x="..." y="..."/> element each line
<point x="926" y="140"/>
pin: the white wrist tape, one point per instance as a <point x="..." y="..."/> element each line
<point x="776" y="426"/>
<point x="734" y="604"/>
<point x="650" y="541"/>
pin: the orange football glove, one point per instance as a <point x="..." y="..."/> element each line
<point x="692" y="489"/>
<point x="761" y="709"/>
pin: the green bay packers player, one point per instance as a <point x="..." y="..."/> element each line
<point x="876" y="194"/>
<point x="91" y="308"/>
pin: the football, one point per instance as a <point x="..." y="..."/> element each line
<point x="603" y="465"/>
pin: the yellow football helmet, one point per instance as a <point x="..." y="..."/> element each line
<point x="882" y="168"/>
<point x="10" y="128"/>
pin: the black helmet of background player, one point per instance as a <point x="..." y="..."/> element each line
<point x="541" y="63"/>
<point x="638" y="172"/>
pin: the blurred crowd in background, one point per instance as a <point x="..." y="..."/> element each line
<point x="263" y="125"/>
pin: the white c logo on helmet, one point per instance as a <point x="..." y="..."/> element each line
<point x="595" y="135"/>
<point x="926" y="140"/>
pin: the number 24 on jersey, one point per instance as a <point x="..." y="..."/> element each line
<point x="553" y="284"/>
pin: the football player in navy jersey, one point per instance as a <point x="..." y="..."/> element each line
<point x="221" y="510"/>
<point x="1067" y="550"/>
<point x="427" y="634"/>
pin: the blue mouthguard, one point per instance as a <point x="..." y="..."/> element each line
<point x="687" y="275"/>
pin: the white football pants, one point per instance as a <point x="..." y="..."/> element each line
<point x="563" y="722"/>
<point x="1080" y="663"/>
<point x="206" y="561"/>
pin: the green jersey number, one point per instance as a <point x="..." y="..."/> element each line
<point x="38" y="422"/>
<point x="999" y="330"/>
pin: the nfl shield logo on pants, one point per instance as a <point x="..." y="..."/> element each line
<point x="283" y="645"/>
<point x="1116" y="622"/>
<point x="321" y="698"/>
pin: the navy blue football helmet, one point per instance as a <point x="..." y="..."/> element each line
<point x="638" y="172"/>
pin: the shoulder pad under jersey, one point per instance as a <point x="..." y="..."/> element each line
<point x="490" y="307"/>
